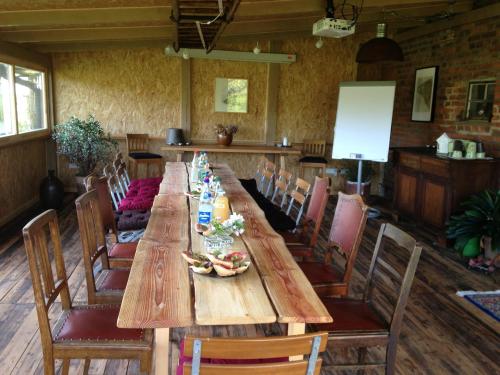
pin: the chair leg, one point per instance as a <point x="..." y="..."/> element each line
<point x="146" y="362"/>
<point x="361" y="359"/>
<point x="301" y="172"/>
<point x="86" y="366"/>
<point x="390" y="366"/>
<point x="65" y="367"/>
<point x="48" y="365"/>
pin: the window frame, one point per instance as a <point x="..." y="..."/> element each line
<point x="17" y="137"/>
<point x="485" y="82"/>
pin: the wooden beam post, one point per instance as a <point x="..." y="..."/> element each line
<point x="272" y="91"/>
<point x="186" y="97"/>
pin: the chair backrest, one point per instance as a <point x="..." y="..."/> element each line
<point x="260" y="169"/>
<point x="108" y="170"/>
<point x="100" y="185"/>
<point x="122" y="179"/>
<point x="268" y="175"/>
<point x="256" y="348"/>
<point x="316" y="209"/>
<point x="137" y="143"/>
<point x="119" y="156"/>
<point x="314" y="147"/>
<point x="45" y="288"/>
<point x="299" y="194"/>
<point x="281" y="186"/>
<point x="403" y="242"/>
<point x="92" y="236"/>
<point x="347" y="229"/>
<point x="115" y="190"/>
<point x="116" y="164"/>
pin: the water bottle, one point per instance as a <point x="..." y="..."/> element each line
<point x="205" y="208"/>
<point x="194" y="168"/>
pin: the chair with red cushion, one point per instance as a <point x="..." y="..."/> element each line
<point x="119" y="254"/>
<point x="82" y="332"/>
<point x="302" y="242"/>
<point x="345" y="237"/>
<point x="109" y="286"/>
<point x="359" y="323"/>
<point x="256" y="356"/>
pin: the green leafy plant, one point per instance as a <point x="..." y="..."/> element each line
<point x="481" y="218"/>
<point x="352" y="171"/>
<point x="84" y="143"/>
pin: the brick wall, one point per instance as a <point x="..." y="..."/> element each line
<point x="463" y="53"/>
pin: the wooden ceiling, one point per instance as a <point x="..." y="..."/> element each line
<point x="60" y="25"/>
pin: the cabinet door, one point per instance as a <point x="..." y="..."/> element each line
<point x="407" y="192"/>
<point x="433" y="202"/>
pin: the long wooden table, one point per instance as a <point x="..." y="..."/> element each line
<point x="159" y="293"/>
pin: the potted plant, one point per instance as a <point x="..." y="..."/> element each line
<point x="477" y="229"/>
<point x="225" y="134"/>
<point x="351" y="178"/>
<point x="84" y="143"/>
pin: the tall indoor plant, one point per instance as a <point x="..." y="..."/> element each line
<point x="84" y="143"/>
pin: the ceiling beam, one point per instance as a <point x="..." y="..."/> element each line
<point x="228" y="18"/>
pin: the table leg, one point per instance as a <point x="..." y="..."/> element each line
<point x="179" y="155"/>
<point x="162" y="351"/>
<point x="296" y="329"/>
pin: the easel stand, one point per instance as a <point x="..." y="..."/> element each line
<point x="372" y="212"/>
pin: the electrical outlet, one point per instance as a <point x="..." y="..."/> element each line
<point x="332" y="171"/>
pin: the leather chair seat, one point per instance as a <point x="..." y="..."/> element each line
<point x="351" y="316"/>
<point x="123" y="250"/>
<point x="115" y="279"/>
<point x="144" y="155"/>
<point x="95" y="323"/>
<point x="313" y="159"/>
<point x="319" y="273"/>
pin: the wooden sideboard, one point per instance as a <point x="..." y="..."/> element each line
<point x="430" y="188"/>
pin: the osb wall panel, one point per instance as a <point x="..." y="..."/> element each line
<point x="65" y="4"/>
<point x="23" y="168"/>
<point x="308" y="89"/>
<point x="203" y="116"/>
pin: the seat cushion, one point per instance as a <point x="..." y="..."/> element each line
<point x="136" y="203"/>
<point x="132" y="219"/>
<point x="115" y="279"/>
<point x="319" y="273"/>
<point x="351" y="315"/>
<point x="123" y="250"/>
<point x="144" y="155"/>
<point x="313" y="159"/>
<point x="95" y="323"/>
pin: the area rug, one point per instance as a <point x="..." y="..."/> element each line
<point x="489" y="302"/>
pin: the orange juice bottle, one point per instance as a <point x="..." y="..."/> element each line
<point x="221" y="210"/>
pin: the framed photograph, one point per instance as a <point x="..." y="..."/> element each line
<point x="231" y="95"/>
<point x="424" y="94"/>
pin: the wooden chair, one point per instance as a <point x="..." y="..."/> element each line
<point x="345" y="237"/>
<point x="108" y="170"/>
<point x="238" y="356"/>
<point x="299" y="194"/>
<point x="138" y="153"/>
<point x="83" y="332"/>
<point x="359" y="323"/>
<point x="120" y="254"/>
<point x="267" y="180"/>
<point x="281" y="187"/>
<point x="121" y="178"/>
<point x="301" y="243"/>
<point x="115" y="190"/>
<point x="111" y="283"/>
<point x="314" y="156"/>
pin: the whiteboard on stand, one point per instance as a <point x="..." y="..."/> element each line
<point x="364" y="116"/>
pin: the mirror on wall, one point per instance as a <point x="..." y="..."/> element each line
<point x="231" y="95"/>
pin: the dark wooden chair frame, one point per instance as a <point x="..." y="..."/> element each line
<point x="140" y="143"/>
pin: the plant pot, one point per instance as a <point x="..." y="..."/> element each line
<point x="51" y="191"/>
<point x="351" y="187"/>
<point x="224" y="139"/>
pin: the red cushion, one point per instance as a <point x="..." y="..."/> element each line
<point x="95" y="323"/>
<point x="123" y="250"/>
<point x="351" y="315"/>
<point x="115" y="280"/>
<point x="319" y="273"/>
<point x="136" y="203"/>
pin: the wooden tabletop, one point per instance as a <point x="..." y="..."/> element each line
<point x="158" y="293"/>
<point x="241" y="149"/>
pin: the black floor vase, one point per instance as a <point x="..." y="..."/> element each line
<point x="51" y="191"/>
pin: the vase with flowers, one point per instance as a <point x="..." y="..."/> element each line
<point x="225" y="134"/>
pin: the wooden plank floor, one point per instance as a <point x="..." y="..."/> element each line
<point x="438" y="337"/>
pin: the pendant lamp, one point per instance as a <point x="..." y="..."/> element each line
<point x="379" y="48"/>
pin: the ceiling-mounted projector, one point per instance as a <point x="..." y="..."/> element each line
<point x="334" y="28"/>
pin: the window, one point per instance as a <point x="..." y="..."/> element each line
<point x="22" y="100"/>
<point x="480" y="100"/>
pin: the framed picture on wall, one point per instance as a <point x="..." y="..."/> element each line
<point x="424" y="94"/>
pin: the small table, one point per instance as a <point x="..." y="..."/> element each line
<point x="159" y="293"/>
<point x="236" y="149"/>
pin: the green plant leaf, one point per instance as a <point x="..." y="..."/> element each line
<point x="472" y="248"/>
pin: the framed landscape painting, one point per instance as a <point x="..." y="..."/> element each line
<point x="424" y="94"/>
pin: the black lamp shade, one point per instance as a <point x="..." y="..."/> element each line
<point x="175" y="136"/>
<point x="379" y="49"/>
